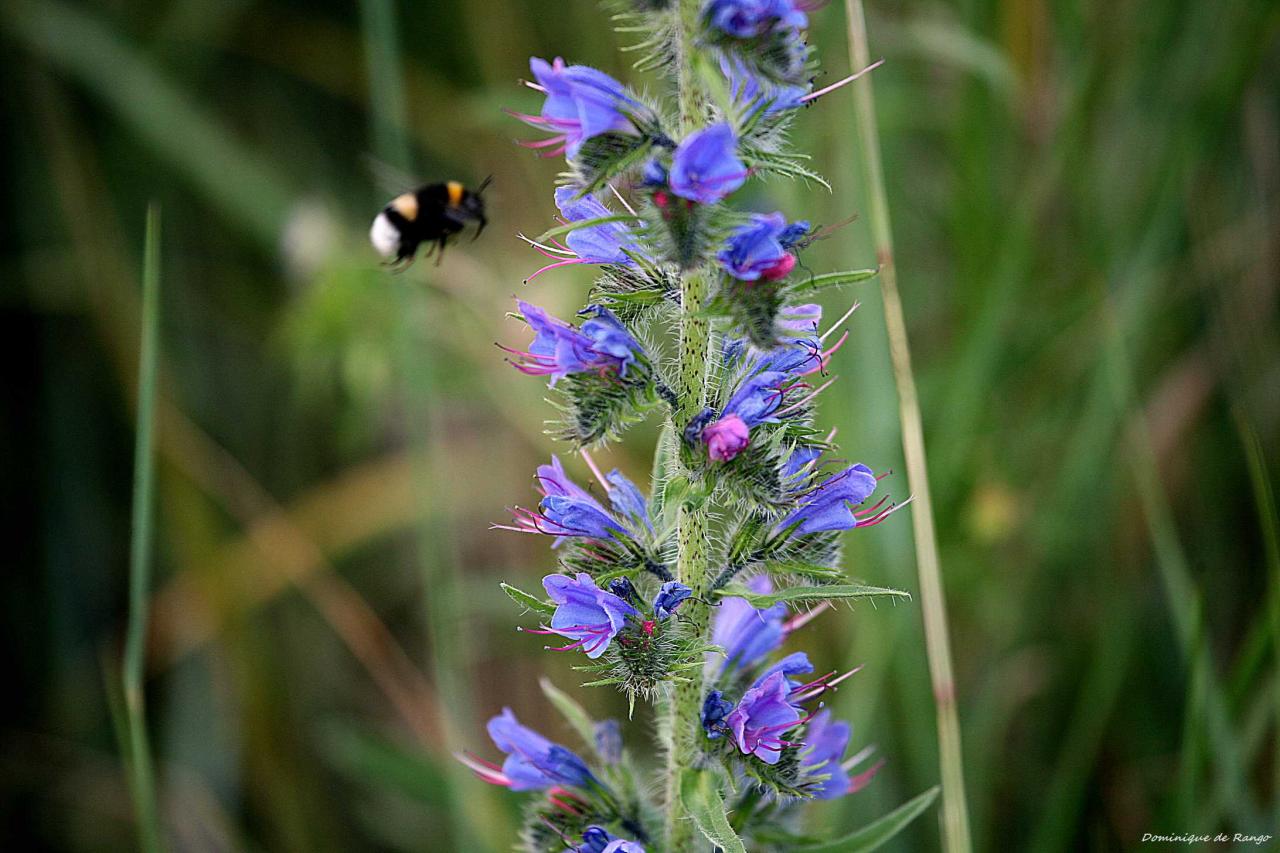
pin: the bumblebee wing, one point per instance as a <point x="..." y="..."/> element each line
<point x="390" y="179"/>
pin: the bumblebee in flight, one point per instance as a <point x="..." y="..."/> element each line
<point x="432" y="214"/>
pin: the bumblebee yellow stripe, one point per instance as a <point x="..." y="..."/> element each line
<point x="455" y="193"/>
<point x="406" y="205"/>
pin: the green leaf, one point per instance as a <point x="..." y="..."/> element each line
<point x="877" y="832"/>
<point x="700" y="795"/>
<point x="807" y="593"/>
<point x="524" y="599"/>
<point x="573" y="713"/>
<point x="832" y="279"/>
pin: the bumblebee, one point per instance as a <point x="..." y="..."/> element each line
<point x="432" y="214"/>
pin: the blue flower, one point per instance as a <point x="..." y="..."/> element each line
<point x="800" y="464"/>
<point x="581" y="103"/>
<point x="714" y="709"/>
<point x="796" y="663"/>
<point x="608" y="737"/>
<point x="746" y="634"/>
<point x="826" y="741"/>
<point x="762" y="716"/>
<point x="670" y="596"/>
<point x="832" y="504"/>
<point x="597" y="839"/>
<point x="751" y="18"/>
<point x="586" y="614"/>
<point x="705" y="166"/>
<point x="602" y="345"/>
<point x="755" y="250"/>
<point x="597" y="244"/>
<point x="627" y="500"/>
<point x="747" y="91"/>
<point x="566" y="510"/>
<point x="532" y="762"/>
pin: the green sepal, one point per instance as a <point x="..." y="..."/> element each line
<point x="529" y="602"/>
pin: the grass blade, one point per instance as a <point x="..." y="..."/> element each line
<point x="142" y="783"/>
<point x="955" y="813"/>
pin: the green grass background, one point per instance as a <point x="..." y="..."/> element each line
<point x="1086" y="199"/>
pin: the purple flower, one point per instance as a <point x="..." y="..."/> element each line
<point x="598" y="244"/>
<point x="832" y="505"/>
<point x="714" y="709"/>
<point x="566" y="510"/>
<point x="608" y="737"/>
<point x="755" y="250"/>
<point x="586" y="614"/>
<point x="705" y="166"/>
<point x="626" y="499"/>
<point x="532" y="762"/>
<point x="799" y="318"/>
<point x="670" y="596"/>
<point x="747" y="91"/>
<point x="726" y="437"/>
<point x="597" y="839"/>
<point x="581" y="103"/>
<point x="746" y="634"/>
<point x="602" y="345"/>
<point x="752" y="18"/>
<point x="826" y="741"/>
<point x="762" y="716"/>
<point x="796" y="663"/>
<point x="800" y="464"/>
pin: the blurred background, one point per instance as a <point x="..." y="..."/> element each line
<point x="1086" y="199"/>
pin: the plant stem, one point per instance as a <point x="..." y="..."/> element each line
<point x="684" y="709"/>
<point x="955" y="818"/>
<point x="142" y="784"/>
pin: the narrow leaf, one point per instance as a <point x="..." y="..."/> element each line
<point x="700" y="795"/>
<point x="524" y="599"/>
<point x="808" y="593"/>
<point x="877" y="832"/>
<point x="833" y="279"/>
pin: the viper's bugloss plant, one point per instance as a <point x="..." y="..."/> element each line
<point x="685" y="596"/>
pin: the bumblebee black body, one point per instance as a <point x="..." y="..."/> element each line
<point x="431" y="214"/>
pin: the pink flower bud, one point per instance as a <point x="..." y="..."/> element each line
<point x="726" y="438"/>
<point x="781" y="269"/>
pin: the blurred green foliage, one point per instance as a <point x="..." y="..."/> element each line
<point x="1087" y="205"/>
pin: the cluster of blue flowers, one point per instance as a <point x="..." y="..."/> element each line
<point x="753" y="448"/>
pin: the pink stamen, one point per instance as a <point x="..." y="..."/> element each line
<point x="798" y="621"/>
<point x="595" y="471"/>
<point x="554" y="266"/>
<point x="487" y="771"/>
<point x="804" y="401"/>
<point x="541" y="143"/>
<point x="871" y="510"/>
<point x="874" y="520"/>
<point x="857" y="783"/>
<point x="818" y="94"/>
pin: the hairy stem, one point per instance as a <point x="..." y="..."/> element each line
<point x="682" y="723"/>
<point x="955" y="816"/>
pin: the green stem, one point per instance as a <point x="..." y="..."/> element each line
<point x="142" y="783"/>
<point x="684" y="709"/>
<point x="955" y="815"/>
